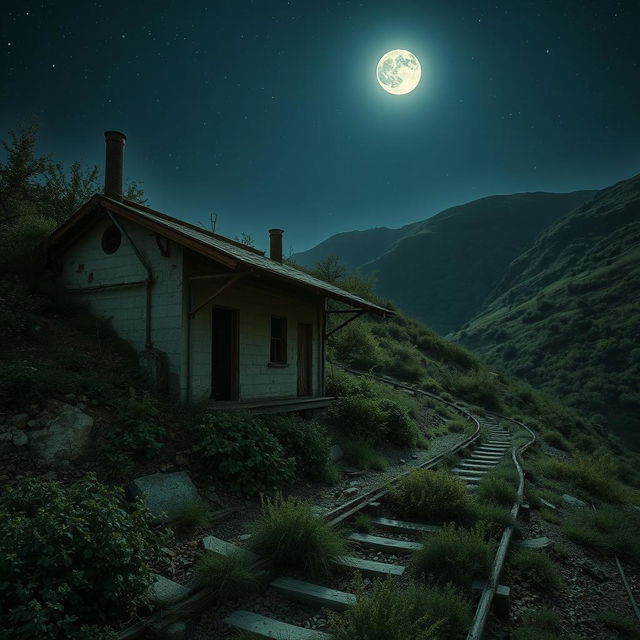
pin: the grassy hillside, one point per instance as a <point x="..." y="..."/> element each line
<point x="443" y="272"/>
<point x="567" y="313"/>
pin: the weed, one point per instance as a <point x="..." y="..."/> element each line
<point x="362" y="523"/>
<point x="537" y="569"/>
<point x="386" y="612"/>
<point x="557" y="440"/>
<point x="496" y="490"/>
<point x="226" y="577"/>
<point x="456" y="426"/>
<point x="454" y="555"/>
<point x="422" y="443"/>
<point x="292" y="537"/>
<point x="494" y="517"/>
<point x="550" y="516"/>
<point x="430" y="494"/>
<point x="362" y="455"/>
<point x="543" y="624"/>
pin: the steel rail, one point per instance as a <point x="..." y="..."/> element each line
<point x="486" y="598"/>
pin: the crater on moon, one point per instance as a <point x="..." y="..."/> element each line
<point x="398" y="71"/>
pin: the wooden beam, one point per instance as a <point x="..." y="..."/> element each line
<point x="357" y="312"/>
<point x="217" y="292"/>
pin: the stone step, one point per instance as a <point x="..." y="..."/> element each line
<point x="270" y="628"/>
<point x="314" y="594"/>
<point x="224" y="548"/>
<point x="389" y="545"/>
<point x="370" y="568"/>
<point x="492" y="447"/>
<point x="486" y="457"/>
<point x="408" y="527"/>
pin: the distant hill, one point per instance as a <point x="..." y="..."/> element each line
<point x="566" y="316"/>
<point x="441" y="270"/>
<point x="354" y="248"/>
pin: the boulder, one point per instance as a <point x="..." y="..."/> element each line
<point x="19" y="438"/>
<point x="573" y="502"/>
<point x="164" y="493"/>
<point x="64" y="438"/>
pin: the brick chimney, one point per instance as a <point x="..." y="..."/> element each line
<point x="114" y="161"/>
<point x="275" y="244"/>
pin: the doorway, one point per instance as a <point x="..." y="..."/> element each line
<point x="305" y="369"/>
<point x="224" y="354"/>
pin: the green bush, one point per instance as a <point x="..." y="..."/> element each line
<point x="237" y="448"/>
<point x="292" y="537"/>
<point x="497" y="491"/>
<point x="556" y="439"/>
<point x="543" y="624"/>
<point x="400" y="428"/>
<point x="361" y="455"/>
<point x="358" y="417"/>
<point x="429" y="494"/>
<point x="71" y="556"/>
<point x="191" y="515"/>
<point x="493" y="517"/>
<point x="136" y="427"/>
<point x="304" y="441"/>
<point x="355" y="346"/>
<point x="226" y="577"/>
<point x="623" y="626"/>
<point x="454" y="555"/>
<point x="16" y="307"/>
<point x="386" y="612"/>
<point x="362" y="523"/>
<point x="537" y="570"/>
<point x="455" y="426"/>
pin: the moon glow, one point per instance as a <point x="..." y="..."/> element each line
<point x="398" y="71"/>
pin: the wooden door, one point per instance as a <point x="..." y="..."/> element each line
<point x="224" y="354"/>
<point x="305" y="364"/>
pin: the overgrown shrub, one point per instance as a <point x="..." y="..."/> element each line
<point x="226" y="577"/>
<point x="454" y="555"/>
<point x="455" y="426"/>
<point x="71" y="557"/>
<point x="355" y="346"/>
<point x="190" y="515"/>
<point x="237" y="448"/>
<point x="400" y="428"/>
<point x="556" y="439"/>
<point x="303" y="441"/>
<point x="543" y="624"/>
<point x="358" y="417"/>
<point x="496" y="490"/>
<point x="386" y="612"/>
<point x="537" y="570"/>
<point x="622" y="626"/>
<point x="429" y="494"/>
<point x="292" y="537"/>
<point x="492" y="516"/>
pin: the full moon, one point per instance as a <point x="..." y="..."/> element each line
<point x="398" y="72"/>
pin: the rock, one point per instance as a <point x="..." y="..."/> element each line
<point x="64" y="438"/>
<point x="70" y="397"/>
<point x="164" y="493"/>
<point x="244" y="537"/>
<point x="19" y="421"/>
<point x="211" y="495"/>
<point x="573" y="502"/>
<point x="336" y="453"/>
<point x="34" y="424"/>
<point x="402" y="461"/>
<point x="164" y="592"/>
<point x="548" y="504"/>
<point x="414" y="456"/>
<point x="351" y="491"/>
<point x="19" y="438"/>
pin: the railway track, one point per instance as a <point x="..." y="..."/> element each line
<point x="385" y="552"/>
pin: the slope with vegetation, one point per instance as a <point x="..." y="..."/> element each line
<point x="566" y="315"/>
<point x="440" y="270"/>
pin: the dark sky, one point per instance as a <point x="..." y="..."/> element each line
<point x="269" y="113"/>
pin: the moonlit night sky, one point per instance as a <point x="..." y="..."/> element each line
<point x="270" y="114"/>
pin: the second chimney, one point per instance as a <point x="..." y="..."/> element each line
<point x="114" y="162"/>
<point x="275" y="244"/>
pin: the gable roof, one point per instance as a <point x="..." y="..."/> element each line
<point x="229" y="252"/>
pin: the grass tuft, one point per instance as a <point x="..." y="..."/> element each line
<point x="624" y="627"/>
<point x="537" y="570"/>
<point x="362" y="523"/>
<point x="454" y="555"/>
<point x="429" y="494"/>
<point x="361" y="455"/>
<point x="293" y="538"/>
<point x="191" y="515"/>
<point x="496" y="490"/>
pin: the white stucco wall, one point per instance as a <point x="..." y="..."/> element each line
<point x="85" y="264"/>
<point x="255" y="306"/>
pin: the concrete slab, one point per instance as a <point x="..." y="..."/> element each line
<point x="389" y="545"/>
<point x="370" y="568"/>
<point x="164" y="493"/>
<point x="164" y="592"/>
<point x="314" y="594"/>
<point x="224" y="548"/>
<point x="270" y="628"/>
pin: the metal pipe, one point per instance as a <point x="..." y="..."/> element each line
<point x="149" y="281"/>
<point x="105" y="286"/>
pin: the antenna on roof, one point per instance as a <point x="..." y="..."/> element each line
<point x="213" y="221"/>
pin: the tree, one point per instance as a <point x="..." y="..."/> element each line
<point x="330" y="269"/>
<point x="245" y="238"/>
<point x="62" y="194"/>
<point x="21" y="175"/>
<point x="134" y="192"/>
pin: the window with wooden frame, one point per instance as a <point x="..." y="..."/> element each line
<point x="278" y="340"/>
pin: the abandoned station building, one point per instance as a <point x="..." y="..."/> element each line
<point x="211" y="318"/>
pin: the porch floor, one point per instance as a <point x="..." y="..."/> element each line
<point x="272" y="405"/>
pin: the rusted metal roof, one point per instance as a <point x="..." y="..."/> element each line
<point x="235" y="251"/>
